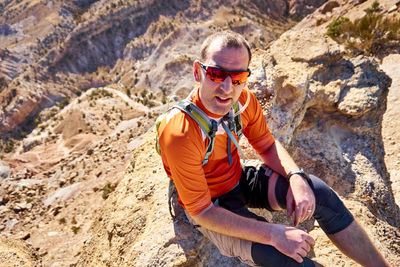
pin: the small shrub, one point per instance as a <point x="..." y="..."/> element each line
<point x="336" y="27"/>
<point x="107" y="189"/>
<point x="164" y="99"/>
<point x="9" y="147"/>
<point x="3" y="84"/>
<point x="369" y="35"/>
<point x="63" y="103"/>
<point x="75" y="229"/>
<point x="143" y="93"/>
<point x="128" y="91"/>
<point x="374" y="8"/>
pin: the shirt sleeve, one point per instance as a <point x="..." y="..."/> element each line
<point x="182" y="150"/>
<point x="255" y="126"/>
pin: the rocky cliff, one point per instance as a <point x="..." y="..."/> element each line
<point x="325" y="106"/>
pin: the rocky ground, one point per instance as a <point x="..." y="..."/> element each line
<point x="390" y="124"/>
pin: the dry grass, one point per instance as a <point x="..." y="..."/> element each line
<point x="368" y="35"/>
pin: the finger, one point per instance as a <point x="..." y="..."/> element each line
<point x="308" y="213"/>
<point x="303" y="216"/>
<point x="306" y="247"/>
<point x="311" y="213"/>
<point x="297" y="216"/>
<point x="302" y="252"/>
<point x="310" y="240"/>
<point x="297" y="258"/>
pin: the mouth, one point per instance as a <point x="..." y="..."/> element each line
<point x="223" y="100"/>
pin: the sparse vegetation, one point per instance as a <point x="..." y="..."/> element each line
<point x="370" y="34"/>
<point x="107" y="189"/>
<point x="78" y="14"/>
<point x="128" y="91"/>
<point x="3" y="84"/>
<point x="14" y="92"/>
<point x="9" y="146"/>
<point x="63" y="103"/>
<point x="100" y="93"/>
<point x="75" y="229"/>
<point x="374" y="8"/>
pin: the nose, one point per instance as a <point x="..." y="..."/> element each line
<point x="226" y="85"/>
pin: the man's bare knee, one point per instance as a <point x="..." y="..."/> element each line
<point x="273" y="202"/>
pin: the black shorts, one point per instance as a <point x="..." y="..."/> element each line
<point x="252" y="191"/>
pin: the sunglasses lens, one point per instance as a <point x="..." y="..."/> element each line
<point x="218" y="75"/>
<point x="239" y="77"/>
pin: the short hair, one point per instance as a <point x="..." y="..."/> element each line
<point x="229" y="39"/>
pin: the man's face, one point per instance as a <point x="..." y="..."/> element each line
<point x="218" y="98"/>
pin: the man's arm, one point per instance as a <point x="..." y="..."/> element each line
<point x="300" y="199"/>
<point x="290" y="241"/>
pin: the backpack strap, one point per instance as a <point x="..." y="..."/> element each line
<point x="237" y="120"/>
<point x="208" y="126"/>
<point x="228" y="129"/>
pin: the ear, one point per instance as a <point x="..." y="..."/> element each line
<point x="196" y="71"/>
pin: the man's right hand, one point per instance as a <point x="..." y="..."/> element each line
<point x="288" y="240"/>
<point x="291" y="241"/>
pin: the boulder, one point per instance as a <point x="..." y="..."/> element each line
<point x="135" y="228"/>
<point x="5" y="171"/>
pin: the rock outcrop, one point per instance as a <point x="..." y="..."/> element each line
<point x="17" y="253"/>
<point x="325" y="107"/>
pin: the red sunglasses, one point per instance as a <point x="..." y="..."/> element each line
<point x="218" y="74"/>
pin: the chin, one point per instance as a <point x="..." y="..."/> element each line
<point x="221" y="111"/>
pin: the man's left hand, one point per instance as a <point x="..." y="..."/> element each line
<point x="300" y="199"/>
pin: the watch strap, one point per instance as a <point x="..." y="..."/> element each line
<point x="300" y="172"/>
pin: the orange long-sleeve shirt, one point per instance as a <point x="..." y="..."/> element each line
<point x="183" y="147"/>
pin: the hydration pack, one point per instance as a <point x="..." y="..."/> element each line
<point x="231" y="122"/>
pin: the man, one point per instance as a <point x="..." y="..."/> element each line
<point x="215" y="194"/>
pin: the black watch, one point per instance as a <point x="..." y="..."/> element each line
<point x="299" y="171"/>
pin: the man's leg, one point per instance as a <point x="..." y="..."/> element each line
<point x="256" y="185"/>
<point x="334" y="219"/>
<point x="364" y="252"/>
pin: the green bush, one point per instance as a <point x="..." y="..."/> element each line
<point x="374" y="8"/>
<point x="9" y="147"/>
<point x="3" y="84"/>
<point x="107" y="189"/>
<point x="75" y="229"/>
<point x="336" y="27"/>
<point x="63" y="102"/>
<point x="370" y="34"/>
